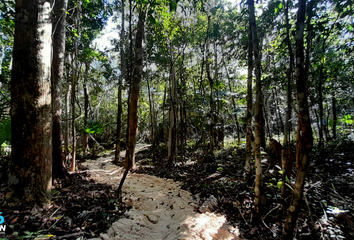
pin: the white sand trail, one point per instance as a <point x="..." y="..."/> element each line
<point x="160" y="208"/>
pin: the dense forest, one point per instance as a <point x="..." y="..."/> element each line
<point x="216" y="111"/>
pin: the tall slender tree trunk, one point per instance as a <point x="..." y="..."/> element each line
<point x="85" y="136"/>
<point x="249" y="101"/>
<point x="277" y="110"/>
<point x="58" y="27"/>
<point x="304" y="135"/>
<point x="334" y="112"/>
<point x="286" y="146"/>
<point x="74" y="77"/>
<point x="30" y="177"/>
<point x="259" y="191"/>
<point x="67" y="116"/>
<point x="172" y="139"/>
<point x="320" y="100"/>
<point x="183" y="113"/>
<point x="130" y="68"/>
<point x="2" y="56"/>
<point x="73" y="132"/>
<point x="164" y="124"/>
<point x="211" y="84"/>
<point x="134" y="98"/>
<point x="152" y="122"/>
<point x="123" y="75"/>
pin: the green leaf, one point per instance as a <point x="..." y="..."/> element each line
<point x="276" y="10"/>
<point x="280" y="184"/>
<point x="280" y="5"/>
<point x="152" y="19"/>
<point x="323" y="59"/>
<point x="287" y="179"/>
<point x="173" y="6"/>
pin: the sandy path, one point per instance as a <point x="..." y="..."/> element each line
<point x="160" y="208"/>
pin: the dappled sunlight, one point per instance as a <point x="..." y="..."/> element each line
<point x="209" y="226"/>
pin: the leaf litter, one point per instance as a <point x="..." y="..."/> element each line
<point x="212" y="194"/>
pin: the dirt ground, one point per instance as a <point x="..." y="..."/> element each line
<point x="160" y="208"/>
<point x="203" y="196"/>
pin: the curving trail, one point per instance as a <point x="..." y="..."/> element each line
<point x="160" y="208"/>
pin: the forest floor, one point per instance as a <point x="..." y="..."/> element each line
<point x="203" y="196"/>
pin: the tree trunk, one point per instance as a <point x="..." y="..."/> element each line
<point x="172" y="139"/>
<point x="67" y="113"/>
<point x="134" y="95"/>
<point x="30" y="177"/>
<point x="164" y="124"/>
<point x="58" y="26"/>
<point x="286" y="157"/>
<point x="259" y="191"/>
<point x="304" y="135"/>
<point x="152" y="122"/>
<point x="74" y="77"/>
<point x="123" y="75"/>
<point x="73" y="132"/>
<point x="320" y="104"/>
<point x="84" y="135"/>
<point x="263" y="123"/>
<point x="266" y="118"/>
<point x="234" y="106"/>
<point x="334" y="112"/>
<point x="211" y="84"/>
<point x="134" y="98"/>
<point x="277" y="110"/>
<point x="249" y="101"/>
<point x="130" y="69"/>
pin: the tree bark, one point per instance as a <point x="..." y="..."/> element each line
<point x="135" y="89"/>
<point x="74" y="76"/>
<point x="67" y="113"/>
<point x="334" y="112"/>
<point x="134" y="98"/>
<point x="286" y="157"/>
<point x="86" y="105"/>
<point x="152" y="122"/>
<point x="304" y="134"/>
<point x="73" y="132"/>
<point x="30" y="177"/>
<point x="249" y="101"/>
<point x="259" y="191"/>
<point x="211" y="84"/>
<point x="59" y="23"/>
<point x="120" y="82"/>
<point x="172" y="139"/>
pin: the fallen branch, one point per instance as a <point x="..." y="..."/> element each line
<point x="99" y="145"/>
<point x="71" y="235"/>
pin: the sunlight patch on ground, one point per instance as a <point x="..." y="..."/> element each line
<point x="209" y="226"/>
